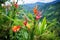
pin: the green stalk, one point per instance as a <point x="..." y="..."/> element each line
<point x="32" y="31"/>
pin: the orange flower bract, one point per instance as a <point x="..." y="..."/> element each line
<point x="16" y="28"/>
<point x="35" y="11"/>
<point x="28" y="26"/>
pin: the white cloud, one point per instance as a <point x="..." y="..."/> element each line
<point x="33" y="1"/>
<point x="27" y="1"/>
<point x="46" y="1"/>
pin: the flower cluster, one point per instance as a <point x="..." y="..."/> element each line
<point x="16" y="28"/>
<point x="8" y="4"/>
<point x="38" y="16"/>
<point x="16" y="5"/>
<point x="37" y="13"/>
<point x="25" y="23"/>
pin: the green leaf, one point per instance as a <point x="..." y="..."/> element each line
<point x="30" y="16"/>
<point x="43" y="26"/>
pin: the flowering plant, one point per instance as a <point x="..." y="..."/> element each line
<point x="20" y="25"/>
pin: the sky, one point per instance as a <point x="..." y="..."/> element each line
<point x="33" y="1"/>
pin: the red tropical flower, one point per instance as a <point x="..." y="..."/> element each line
<point x="26" y="20"/>
<point x="25" y="23"/>
<point x="16" y="5"/>
<point x="16" y="28"/>
<point x="38" y="16"/>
